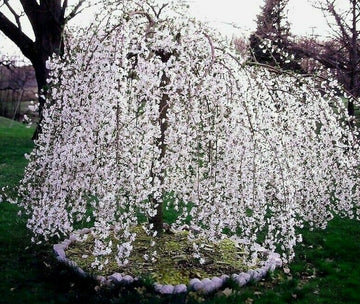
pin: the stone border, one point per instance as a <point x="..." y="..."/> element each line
<point x="206" y="285"/>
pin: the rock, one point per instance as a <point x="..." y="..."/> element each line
<point x="206" y="281"/>
<point x="127" y="279"/>
<point x="61" y="253"/>
<point x="84" y="231"/>
<point x="180" y="288"/>
<point x="244" y="276"/>
<point x="167" y="289"/>
<point x="257" y="275"/>
<point x="195" y="229"/>
<point x="81" y="272"/>
<point x="198" y="286"/>
<point x="241" y="281"/>
<point x="59" y="250"/>
<point x="272" y="267"/>
<point x="71" y="263"/>
<point x="275" y="259"/>
<point x="266" y="267"/>
<point x="116" y="277"/>
<point x="193" y="281"/>
<point x="224" y="278"/>
<point x="157" y="287"/>
<point x="184" y="227"/>
<point x="101" y="279"/>
<point x="208" y="287"/>
<point x="217" y="282"/>
<point x="73" y="237"/>
<point x="250" y="273"/>
<point x="278" y="262"/>
<point x="61" y="259"/>
<point x="264" y="270"/>
<point x="66" y="243"/>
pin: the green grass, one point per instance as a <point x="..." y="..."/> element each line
<point x="326" y="268"/>
<point x="15" y="141"/>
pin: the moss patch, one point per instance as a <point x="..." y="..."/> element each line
<point x="175" y="262"/>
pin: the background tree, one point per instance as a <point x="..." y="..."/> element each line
<point x="342" y="52"/>
<point x="270" y="41"/>
<point x="47" y="19"/>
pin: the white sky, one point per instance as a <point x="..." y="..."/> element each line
<point x="304" y="19"/>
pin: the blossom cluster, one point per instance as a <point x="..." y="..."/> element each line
<point x="242" y="149"/>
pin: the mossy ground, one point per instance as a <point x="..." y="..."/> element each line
<point x="175" y="263"/>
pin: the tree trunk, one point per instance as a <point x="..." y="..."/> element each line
<point x="354" y="61"/>
<point x="158" y="219"/>
<point x="48" y="33"/>
<point x="47" y="20"/>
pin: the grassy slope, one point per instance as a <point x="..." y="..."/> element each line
<point x="326" y="268"/>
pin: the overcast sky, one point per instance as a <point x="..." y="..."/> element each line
<point x="303" y="17"/>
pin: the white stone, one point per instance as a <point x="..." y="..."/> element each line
<point x="206" y="281"/>
<point x="73" y="237"/>
<point x="224" y="278"/>
<point x="61" y="253"/>
<point x="250" y="273"/>
<point x="198" y="286"/>
<point x="208" y="287"/>
<point x="71" y="263"/>
<point x="264" y="270"/>
<point x="127" y="279"/>
<point x="61" y="259"/>
<point x="84" y="231"/>
<point x="167" y="289"/>
<point x="66" y="243"/>
<point x="217" y="282"/>
<point x="241" y="281"/>
<point x="266" y="267"/>
<point x="101" y="279"/>
<point x="180" y="288"/>
<point x="244" y="276"/>
<point x="193" y="281"/>
<point x="257" y="275"/>
<point x="81" y="272"/>
<point x="116" y="277"/>
<point x="157" y="287"/>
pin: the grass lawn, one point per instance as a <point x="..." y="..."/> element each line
<point x="325" y="270"/>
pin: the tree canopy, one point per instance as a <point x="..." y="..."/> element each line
<point x="152" y="110"/>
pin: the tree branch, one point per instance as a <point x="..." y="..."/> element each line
<point x="12" y="11"/>
<point x="75" y="11"/>
<point x="25" y="44"/>
<point x="30" y="8"/>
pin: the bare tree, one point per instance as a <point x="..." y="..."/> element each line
<point x="47" y="19"/>
<point x="342" y="52"/>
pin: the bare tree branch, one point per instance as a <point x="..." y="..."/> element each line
<point x="24" y="43"/>
<point x="13" y="12"/>
<point x="78" y="8"/>
<point x="31" y="8"/>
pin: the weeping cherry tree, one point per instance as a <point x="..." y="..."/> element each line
<point x="152" y="110"/>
